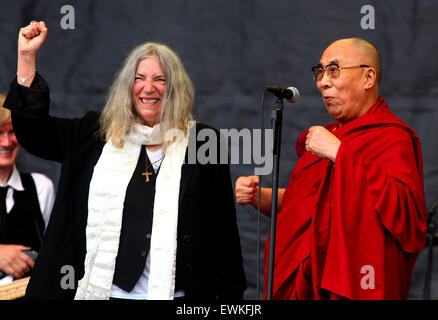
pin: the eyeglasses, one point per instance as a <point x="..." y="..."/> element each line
<point x="333" y="70"/>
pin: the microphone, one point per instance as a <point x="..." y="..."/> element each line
<point x="291" y="94"/>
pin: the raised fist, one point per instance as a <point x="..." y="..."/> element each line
<point x="246" y="189"/>
<point x="322" y="143"/>
<point x="31" y="37"/>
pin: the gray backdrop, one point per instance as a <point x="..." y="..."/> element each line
<point x="232" y="50"/>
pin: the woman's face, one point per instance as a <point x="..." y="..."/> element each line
<point x="148" y="90"/>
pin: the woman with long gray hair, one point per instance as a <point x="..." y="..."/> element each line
<point x="132" y="218"/>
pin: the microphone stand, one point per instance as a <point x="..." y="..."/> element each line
<point x="276" y="121"/>
<point x="431" y="230"/>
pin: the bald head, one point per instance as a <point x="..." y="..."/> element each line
<point x="349" y="94"/>
<point x="368" y="51"/>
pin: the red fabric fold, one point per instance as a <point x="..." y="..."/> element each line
<point x="362" y="220"/>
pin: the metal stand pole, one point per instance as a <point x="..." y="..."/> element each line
<point x="276" y="120"/>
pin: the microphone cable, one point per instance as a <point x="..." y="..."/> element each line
<point x="260" y="195"/>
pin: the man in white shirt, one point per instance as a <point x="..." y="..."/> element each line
<point x="26" y="201"/>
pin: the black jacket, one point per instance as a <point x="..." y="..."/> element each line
<point x="208" y="242"/>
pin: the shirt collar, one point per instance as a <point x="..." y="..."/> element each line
<point x="14" y="181"/>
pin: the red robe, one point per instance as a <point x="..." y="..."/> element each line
<point x="354" y="228"/>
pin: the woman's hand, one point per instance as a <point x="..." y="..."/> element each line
<point x="31" y="38"/>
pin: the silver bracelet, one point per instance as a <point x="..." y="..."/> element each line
<point x="23" y="80"/>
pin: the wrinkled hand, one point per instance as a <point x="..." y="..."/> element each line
<point x="322" y="143"/>
<point x="246" y="189"/>
<point x="31" y="38"/>
<point x="15" y="262"/>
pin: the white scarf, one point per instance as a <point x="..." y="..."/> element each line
<point x="108" y="185"/>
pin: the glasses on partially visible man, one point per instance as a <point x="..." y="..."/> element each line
<point x="333" y="70"/>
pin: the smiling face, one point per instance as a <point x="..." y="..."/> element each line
<point x="9" y="146"/>
<point x="347" y="97"/>
<point x="148" y="90"/>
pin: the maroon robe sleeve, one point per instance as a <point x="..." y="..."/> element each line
<point x="377" y="215"/>
<point x="392" y="165"/>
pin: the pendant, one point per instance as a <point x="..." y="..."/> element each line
<point x="147" y="174"/>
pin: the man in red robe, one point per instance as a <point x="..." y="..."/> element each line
<point x="352" y="219"/>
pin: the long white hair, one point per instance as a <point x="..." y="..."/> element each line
<point x="119" y="113"/>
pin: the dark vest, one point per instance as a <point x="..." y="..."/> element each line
<point x="135" y="236"/>
<point x="24" y="224"/>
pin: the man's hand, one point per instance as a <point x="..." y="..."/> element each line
<point x="322" y="143"/>
<point x="246" y="190"/>
<point x="14" y="261"/>
<point x="31" y="38"/>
